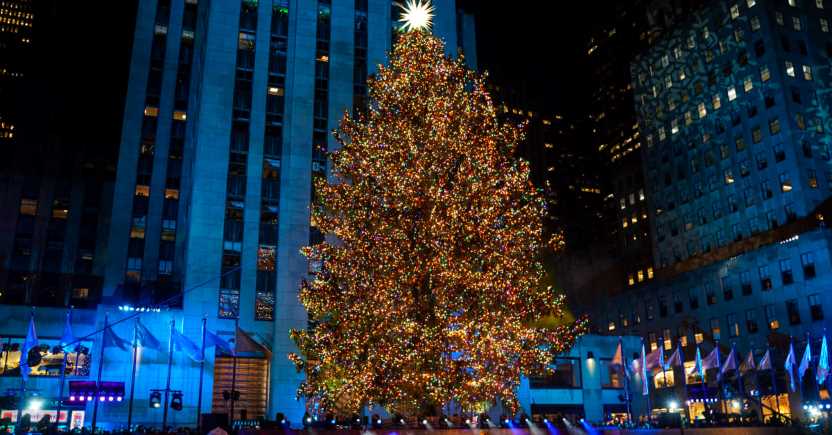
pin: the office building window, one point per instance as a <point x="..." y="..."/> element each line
<point x="733" y="325"/>
<point x="807" y="261"/>
<point x="807" y="72"/>
<point x="789" y="69"/>
<point x="693" y="298"/>
<point x="727" y="290"/>
<point x="765" y="278"/>
<point x="771" y="318"/>
<point x="786" y="271"/>
<point x="715" y="331"/>
<point x="751" y="321"/>
<point x="745" y="283"/>
<point x="815" y="307"/>
<point x="793" y="311"/>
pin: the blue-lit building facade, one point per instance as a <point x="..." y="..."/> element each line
<point x="733" y="112"/>
<point x="227" y="121"/>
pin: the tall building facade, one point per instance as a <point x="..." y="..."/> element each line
<point x="733" y="113"/>
<point x="16" y="21"/>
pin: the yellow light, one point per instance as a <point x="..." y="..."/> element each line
<point x="416" y="15"/>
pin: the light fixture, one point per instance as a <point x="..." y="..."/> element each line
<point x="35" y="404"/>
<point x="673" y="404"/>
<point x="590" y="355"/>
<point x="155" y="399"/>
<point x="176" y="401"/>
<point x="416" y="15"/>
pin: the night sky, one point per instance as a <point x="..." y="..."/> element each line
<point x="535" y="47"/>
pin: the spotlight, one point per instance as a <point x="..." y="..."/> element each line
<point x="176" y="401"/>
<point x="425" y="421"/>
<point x="71" y="398"/>
<point x="545" y="420"/>
<point x="805" y="407"/>
<point x="35" y="404"/>
<point x="119" y="399"/>
<point x="89" y="398"/>
<point x="582" y="420"/>
<point x="155" y="399"/>
<point x="672" y="404"/>
<point x="110" y="398"/>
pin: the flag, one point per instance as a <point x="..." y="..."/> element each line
<point x="67" y="337"/>
<point x="180" y="342"/>
<point x="30" y="343"/>
<point x="697" y="367"/>
<point x="655" y="358"/>
<point x="823" y="363"/>
<point x="675" y="358"/>
<point x="145" y="338"/>
<point x="110" y="339"/>
<point x="730" y="363"/>
<point x="617" y="362"/>
<point x="805" y="361"/>
<point x="765" y="363"/>
<point x="644" y="378"/>
<point x="748" y="364"/>
<point x="712" y="360"/>
<point x="212" y="339"/>
<point x="791" y="361"/>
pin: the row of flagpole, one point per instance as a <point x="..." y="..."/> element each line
<point x="656" y="359"/>
<point x="143" y="338"/>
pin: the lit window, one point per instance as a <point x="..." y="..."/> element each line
<point x="274" y="90"/>
<point x="668" y="82"/>
<point x="171" y="194"/>
<point x="142" y="190"/>
<point x="611" y="326"/>
<point x="819" y="4"/>
<point x="755" y="23"/>
<point x="688" y="118"/>
<point x="640" y="275"/>
<point x="793" y="3"/>
<point x="151" y="111"/>
<point x="824" y="25"/>
<point x="717" y="102"/>
<point x="180" y="115"/>
<point x="641" y="194"/>
<point x="807" y="72"/>
<point x="715" y="331"/>
<point x="789" y="69"/>
<point x="796" y="23"/>
<point x="631" y="280"/>
<point x="729" y="176"/>
<point x="699" y="337"/>
<point x="778" y="16"/>
<point x="80" y="293"/>
<point x="774" y="126"/>
<point x="732" y="93"/>
<point x="785" y="183"/>
<point x="650" y="272"/>
<point x="735" y="12"/>
<point x="751" y="3"/>
<point x="625" y="223"/>
<point x="136" y="232"/>
<point x="677" y="52"/>
<point x="682" y="75"/>
<point x="765" y="74"/>
<point x="674" y="126"/>
<point x="28" y="207"/>
<point x="748" y="84"/>
<point x="665" y="60"/>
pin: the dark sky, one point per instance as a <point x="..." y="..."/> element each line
<point x="536" y="46"/>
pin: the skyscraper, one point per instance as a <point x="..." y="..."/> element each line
<point x="227" y="122"/>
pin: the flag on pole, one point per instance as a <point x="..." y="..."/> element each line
<point x="823" y="363"/>
<point x="748" y="364"/>
<point x="617" y="362"/>
<point x="765" y="363"/>
<point x="67" y="337"/>
<point x="145" y="338"/>
<point x="29" y="343"/>
<point x="184" y="344"/>
<point x="712" y="360"/>
<point x="791" y="361"/>
<point x="644" y="378"/>
<point x="697" y="367"/>
<point x="655" y="358"/>
<point x="675" y="359"/>
<point x="110" y="339"/>
<point x="730" y="363"/>
<point x="212" y="339"/>
<point x="805" y="361"/>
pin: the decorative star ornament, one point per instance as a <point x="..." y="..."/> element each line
<point x="416" y="15"/>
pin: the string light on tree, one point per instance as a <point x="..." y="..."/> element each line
<point x="433" y="292"/>
<point x="416" y="15"/>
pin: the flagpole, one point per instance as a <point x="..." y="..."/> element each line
<point x="98" y="379"/>
<point x="62" y="380"/>
<point x="722" y="406"/>
<point x="23" y="378"/>
<point x="167" y="384"/>
<point x="740" y="385"/>
<point x="133" y="376"/>
<point x="201" y="377"/>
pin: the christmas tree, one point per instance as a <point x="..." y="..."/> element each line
<point x="429" y="287"/>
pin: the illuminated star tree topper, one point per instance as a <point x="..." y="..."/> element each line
<point x="416" y="15"/>
<point x="429" y="288"/>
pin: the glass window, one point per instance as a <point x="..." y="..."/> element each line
<point x="771" y="318"/>
<point x="789" y="69"/>
<point x="807" y="260"/>
<point x="765" y="278"/>
<point x="751" y="321"/>
<point x="807" y="72"/>
<point x="732" y="93"/>
<point x="733" y="325"/>
<point x="793" y="311"/>
<point x="715" y="331"/>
